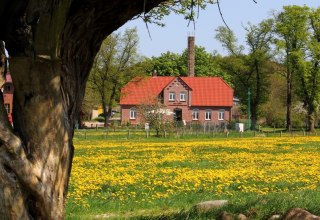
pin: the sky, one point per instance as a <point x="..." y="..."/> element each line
<point x="237" y="13"/>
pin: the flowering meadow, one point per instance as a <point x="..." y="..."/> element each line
<point x="120" y="178"/>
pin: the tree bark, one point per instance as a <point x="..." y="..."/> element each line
<point x="52" y="45"/>
<point x="289" y="101"/>
<point x="254" y="116"/>
<point x="311" y="119"/>
<point x="104" y="109"/>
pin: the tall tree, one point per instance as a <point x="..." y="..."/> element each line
<point x="52" y="45"/>
<point x="308" y="68"/>
<point x="250" y="73"/>
<point x="291" y="28"/>
<point x="110" y="69"/>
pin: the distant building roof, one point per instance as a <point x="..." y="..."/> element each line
<point x="206" y="91"/>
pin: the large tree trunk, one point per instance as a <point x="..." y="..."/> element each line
<point x="111" y="101"/>
<point x="254" y="116"/>
<point x="52" y="45"/>
<point x="311" y="119"/>
<point x="289" y="101"/>
<point x="37" y="159"/>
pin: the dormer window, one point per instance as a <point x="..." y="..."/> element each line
<point x="183" y="97"/>
<point x="172" y="96"/>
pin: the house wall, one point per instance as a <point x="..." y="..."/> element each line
<point x="125" y="115"/>
<point x="186" y="114"/>
<point x="214" y="114"/>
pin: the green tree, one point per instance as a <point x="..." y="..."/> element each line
<point x="206" y="64"/>
<point x="291" y="29"/>
<point x="167" y="64"/>
<point x="173" y="64"/>
<point x="308" y="69"/>
<point x="250" y="72"/>
<point x="111" y="67"/>
<point x="274" y="109"/>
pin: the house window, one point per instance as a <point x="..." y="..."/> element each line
<point x="7" y="88"/>
<point x="208" y="114"/>
<point x="172" y="96"/>
<point x="195" y="114"/>
<point x="183" y="96"/>
<point x="133" y="113"/>
<point x="7" y="106"/>
<point x="221" y="114"/>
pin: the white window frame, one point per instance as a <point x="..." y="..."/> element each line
<point x="133" y="113"/>
<point x="208" y="115"/>
<point x="183" y="96"/>
<point x="172" y="96"/>
<point x="195" y="114"/>
<point x="221" y="114"/>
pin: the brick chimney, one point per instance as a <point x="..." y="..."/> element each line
<point x="191" y="56"/>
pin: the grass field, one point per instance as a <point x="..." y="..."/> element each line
<point x="163" y="178"/>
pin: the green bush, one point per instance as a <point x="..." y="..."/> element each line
<point x="99" y="119"/>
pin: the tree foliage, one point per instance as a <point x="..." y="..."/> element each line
<point x="111" y="68"/>
<point x="249" y="72"/>
<point x="174" y="64"/>
<point x="297" y="28"/>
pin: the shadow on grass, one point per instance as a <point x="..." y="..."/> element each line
<point x="193" y="213"/>
<point x="254" y="208"/>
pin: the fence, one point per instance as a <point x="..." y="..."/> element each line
<point x="205" y="131"/>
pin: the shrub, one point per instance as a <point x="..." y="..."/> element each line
<point x="99" y="119"/>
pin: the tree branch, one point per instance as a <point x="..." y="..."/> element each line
<point x="221" y="15"/>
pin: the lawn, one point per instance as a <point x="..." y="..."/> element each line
<point x="164" y="178"/>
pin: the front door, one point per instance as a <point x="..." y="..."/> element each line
<point x="178" y="114"/>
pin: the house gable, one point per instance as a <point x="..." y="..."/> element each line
<point x="181" y="92"/>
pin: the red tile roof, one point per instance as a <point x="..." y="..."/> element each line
<point x="142" y="89"/>
<point x="206" y="91"/>
<point x="209" y="91"/>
